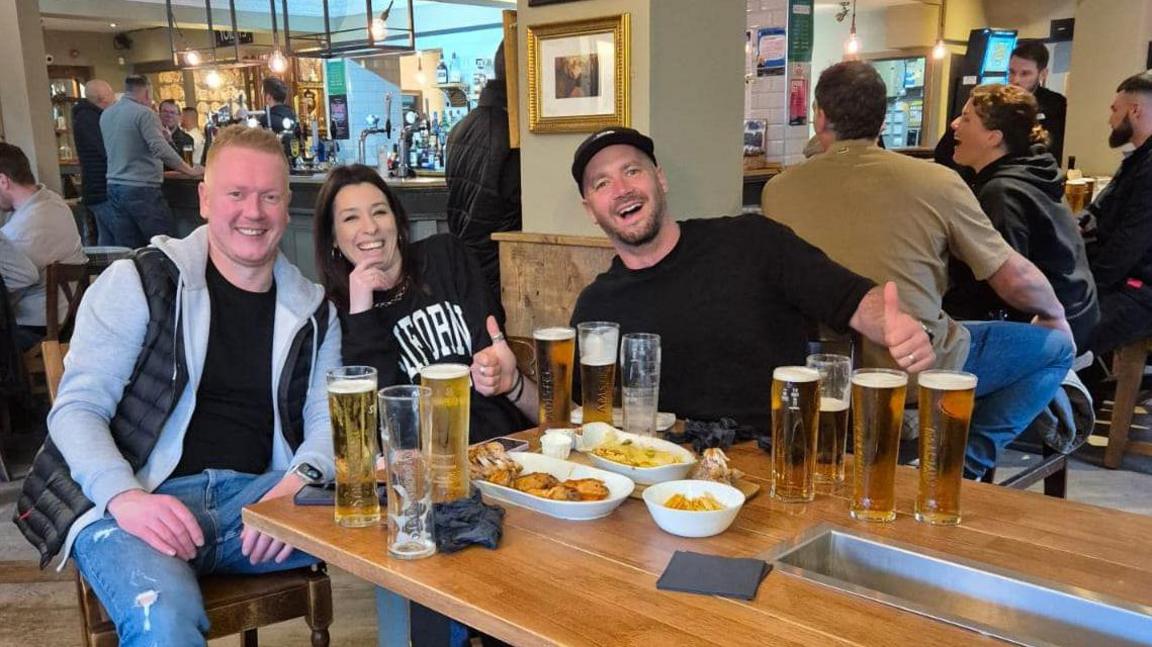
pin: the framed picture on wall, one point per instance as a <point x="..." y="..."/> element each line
<point x="541" y="3"/>
<point x="578" y="75"/>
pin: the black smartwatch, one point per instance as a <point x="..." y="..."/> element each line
<point x="309" y="474"/>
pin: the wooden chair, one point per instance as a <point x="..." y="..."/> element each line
<point x="1128" y="369"/>
<point x="73" y="279"/>
<point x="234" y="603"/>
<point x="1052" y="469"/>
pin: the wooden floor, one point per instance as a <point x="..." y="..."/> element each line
<point x="39" y="607"/>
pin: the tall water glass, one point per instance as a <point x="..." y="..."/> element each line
<point x="555" y="352"/>
<point x="795" y="409"/>
<point x="640" y="381"/>
<point x="447" y="436"/>
<point x="946" y="402"/>
<point x="832" y="437"/>
<point x="598" y="341"/>
<point x="352" y="408"/>
<point x="406" y="414"/>
<point x="877" y="413"/>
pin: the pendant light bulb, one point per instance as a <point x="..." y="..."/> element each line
<point x="852" y="47"/>
<point x="212" y="79"/>
<point x="939" y="51"/>
<point x="277" y="62"/>
<point x="379" y="29"/>
<point x="191" y="58"/>
<point x="421" y="77"/>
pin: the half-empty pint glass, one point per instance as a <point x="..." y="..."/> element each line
<point x="795" y="408"/>
<point x="640" y="381"/>
<point x="877" y="413"/>
<point x="832" y="437"/>
<point x="598" y="340"/>
<point x="555" y="352"/>
<point x="405" y="416"/>
<point x="447" y="436"/>
<point x="946" y="402"/>
<point x="352" y="407"/>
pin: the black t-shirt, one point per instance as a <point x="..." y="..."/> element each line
<point x="231" y="427"/>
<point x="734" y="299"/>
<point x="440" y="320"/>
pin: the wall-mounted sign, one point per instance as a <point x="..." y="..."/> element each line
<point x="227" y="38"/>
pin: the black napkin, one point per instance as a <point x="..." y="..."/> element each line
<point x="705" y="434"/>
<point x="464" y="522"/>
<point x="731" y="577"/>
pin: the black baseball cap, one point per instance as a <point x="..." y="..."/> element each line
<point x="602" y="139"/>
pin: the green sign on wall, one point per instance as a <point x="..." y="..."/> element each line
<point x="335" y="77"/>
<point x="800" y="31"/>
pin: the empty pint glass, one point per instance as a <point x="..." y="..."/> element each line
<point x="795" y="408"/>
<point x="555" y="352"/>
<point x="598" y="340"/>
<point x="405" y="415"/>
<point x="877" y="413"/>
<point x="835" y="389"/>
<point x="946" y="402"/>
<point x="352" y="408"/>
<point x="640" y="381"/>
<point x="447" y="436"/>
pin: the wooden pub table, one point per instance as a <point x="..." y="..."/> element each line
<point x="594" y="582"/>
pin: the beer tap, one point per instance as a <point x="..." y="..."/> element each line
<point x="388" y="111"/>
<point x="413" y="122"/>
<point x="372" y="129"/>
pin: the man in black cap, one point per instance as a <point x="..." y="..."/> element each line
<point x="732" y="298"/>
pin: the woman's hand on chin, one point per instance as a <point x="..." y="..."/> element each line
<point x="366" y="278"/>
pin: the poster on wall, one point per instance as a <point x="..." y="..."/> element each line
<point x="798" y="100"/>
<point x="338" y="116"/>
<point x="771" y="48"/>
<point x="800" y="31"/>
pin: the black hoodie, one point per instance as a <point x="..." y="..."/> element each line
<point x="90" y="151"/>
<point x="1024" y="199"/>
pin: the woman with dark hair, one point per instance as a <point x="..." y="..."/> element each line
<point x="1020" y="186"/>
<point x="404" y="305"/>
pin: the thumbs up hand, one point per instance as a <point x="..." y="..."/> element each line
<point x="907" y="340"/>
<point x="494" y="368"/>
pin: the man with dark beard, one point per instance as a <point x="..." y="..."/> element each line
<point x="731" y="298"/>
<point x="1121" y="253"/>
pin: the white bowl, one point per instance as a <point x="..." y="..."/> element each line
<point x="686" y="523"/>
<point x="645" y="475"/>
<point x="619" y="488"/>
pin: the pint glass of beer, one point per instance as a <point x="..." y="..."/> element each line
<point x="795" y="408"/>
<point x="405" y="417"/>
<point x="447" y="436"/>
<point x="598" y="368"/>
<point x="946" y="401"/>
<point x="555" y="352"/>
<point x="877" y="413"/>
<point x="835" y="389"/>
<point x="352" y="407"/>
<point x="186" y="154"/>
<point x="640" y="381"/>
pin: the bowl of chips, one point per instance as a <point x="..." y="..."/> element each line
<point x="643" y="459"/>
<point x="693" y="508"/>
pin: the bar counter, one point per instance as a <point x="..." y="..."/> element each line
<point x="424" y="198"/>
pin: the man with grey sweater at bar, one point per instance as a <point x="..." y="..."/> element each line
<point x="137" y="154"/>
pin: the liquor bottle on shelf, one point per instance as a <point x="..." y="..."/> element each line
<point x="441" y="72"/>
<point x="1073" y="172"/>
<point x="454" y="73"/>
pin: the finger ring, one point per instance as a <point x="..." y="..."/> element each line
<point x="911" y="358"/>
<point x="497" y="337"/>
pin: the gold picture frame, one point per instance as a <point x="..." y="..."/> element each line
<point x="579" y="75"/>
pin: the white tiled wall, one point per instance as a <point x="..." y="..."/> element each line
<point x="767" y="97"/>
<point x="366" y="92"/>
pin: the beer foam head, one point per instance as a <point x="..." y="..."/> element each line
<point x="880" y="380"/>
<point x="833" y="404"/>
<point x="595" y="350"/>
<point x="351" y="386"/>
<point x="444" y="371"/>
<point x="947" y="380"/>
<point x="558" y="333"/>
<point x="795" y="374"/>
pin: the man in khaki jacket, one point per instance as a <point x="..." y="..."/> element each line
<point x="890" y="217"/>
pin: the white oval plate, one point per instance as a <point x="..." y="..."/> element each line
<point x="648" y="475"/>
<point x="619" y="487"/>
<point x="664" y="420"/>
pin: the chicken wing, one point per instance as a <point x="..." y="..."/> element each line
<point x="588" y="489"/>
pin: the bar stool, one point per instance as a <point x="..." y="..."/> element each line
<point x="1128" y="368"/>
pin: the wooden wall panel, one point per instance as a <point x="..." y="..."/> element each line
<point x="542" y="274"/>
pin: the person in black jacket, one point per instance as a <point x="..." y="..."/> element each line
<point x="1120" y="227"/>
<point x="1020" y="187"/>
<point x="483" y="176"/>
<point x="93" y="160"/>
<point x="1027" y="69"/>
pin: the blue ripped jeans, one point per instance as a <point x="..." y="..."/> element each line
<point x="155" y="599"/>
<point x="1018" y="368"/>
